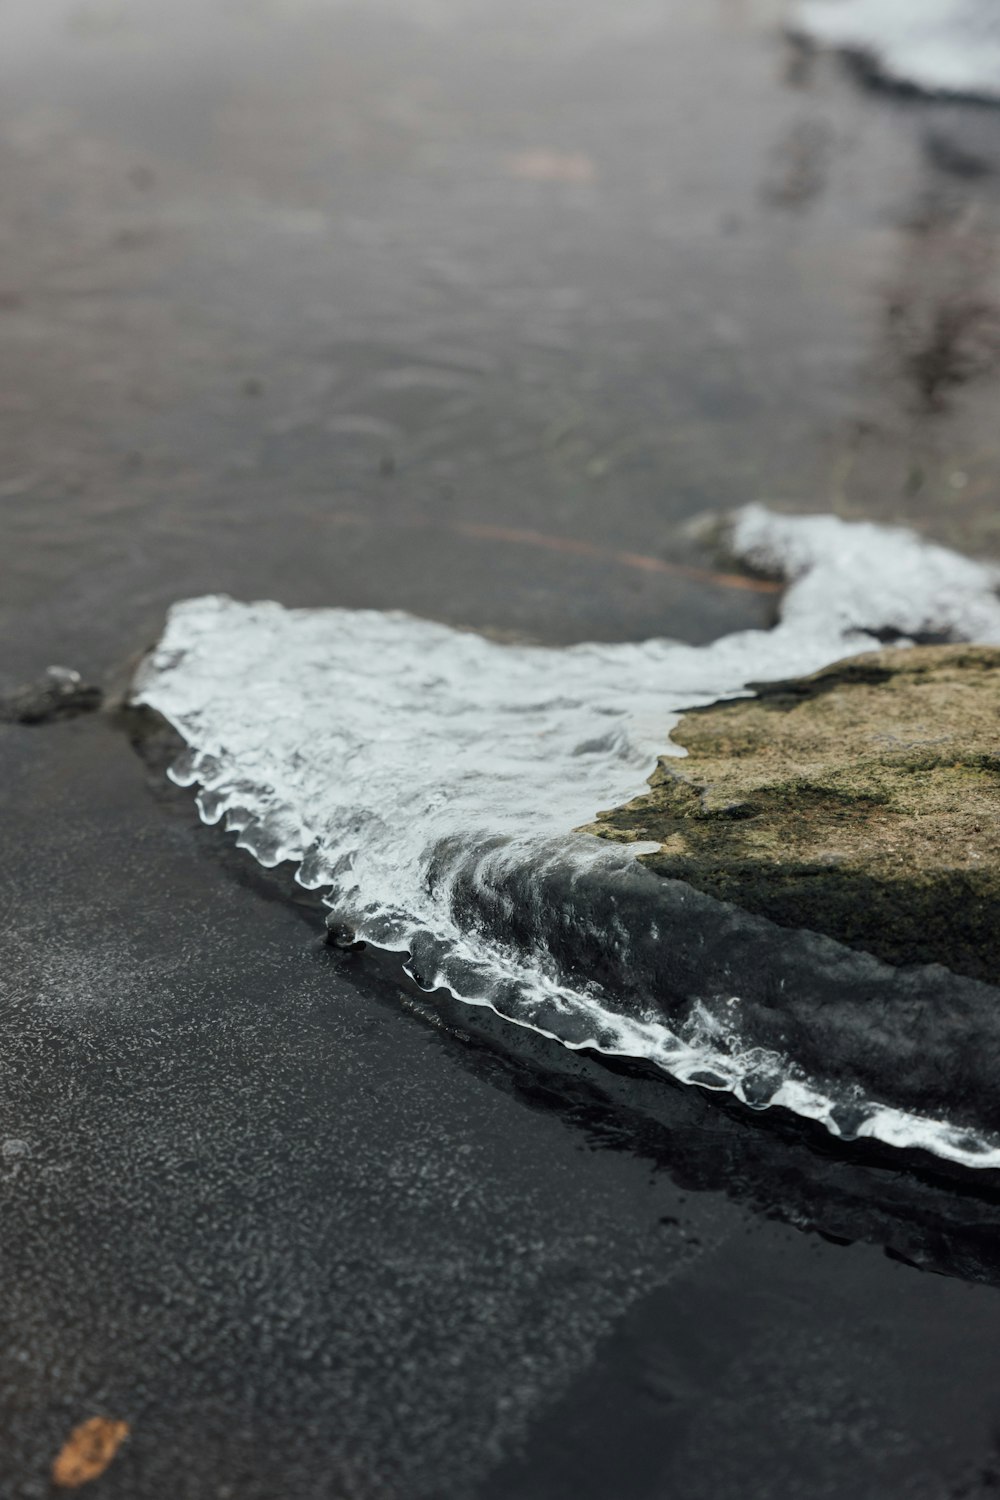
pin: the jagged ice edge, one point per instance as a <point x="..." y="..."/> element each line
<point x="845" y="581"/>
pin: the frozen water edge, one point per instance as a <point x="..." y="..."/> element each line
<point x="938" y="46"/>
<point x="417" y="775"/>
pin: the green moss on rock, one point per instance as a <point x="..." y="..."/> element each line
<point x="862" y="802"/>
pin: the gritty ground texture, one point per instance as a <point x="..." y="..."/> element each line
<point x="304" y="1241"/>
<point x="861" y="802"/>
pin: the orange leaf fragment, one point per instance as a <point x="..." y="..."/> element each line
<point x="87" y="1451"/>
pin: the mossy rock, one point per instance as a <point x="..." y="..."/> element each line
<point x="862" y="802"/>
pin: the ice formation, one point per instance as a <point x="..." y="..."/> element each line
<point x="427" y="781"/>
<point x="938" y="46"/>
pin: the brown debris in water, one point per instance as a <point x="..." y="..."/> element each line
<point x="546" y="165"/>
<point x="88" y="1451"/>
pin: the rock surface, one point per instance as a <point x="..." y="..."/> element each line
<point x="861" y="802"/>
<point x="60" y="693"/>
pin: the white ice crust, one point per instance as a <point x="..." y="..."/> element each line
<point x="358" y="744"/>
<point x="939" y="46"/>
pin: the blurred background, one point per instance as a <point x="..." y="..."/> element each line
<point x="443" y="304"/>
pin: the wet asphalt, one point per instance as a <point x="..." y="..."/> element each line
<point x="471" y="310"/>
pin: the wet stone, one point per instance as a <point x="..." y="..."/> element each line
<point x="862" y="802"/>
<point x="59" y="694"/>
<point x="341" y="934"/>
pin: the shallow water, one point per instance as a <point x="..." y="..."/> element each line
<point x="427" y="781"/>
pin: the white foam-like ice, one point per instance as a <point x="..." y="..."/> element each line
<point x="361" y="745"/>
<point x="939" y="46"/>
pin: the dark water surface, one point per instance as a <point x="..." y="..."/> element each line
<point x="311" y="301"/>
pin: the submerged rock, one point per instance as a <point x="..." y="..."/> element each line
<point x="862" y="802"/>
